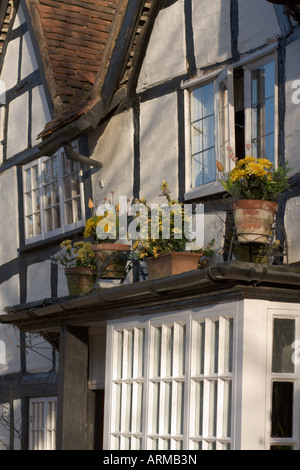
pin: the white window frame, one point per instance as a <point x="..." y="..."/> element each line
<point x="293" y="377"/>
<point x="249" y="64"/>
<point x="64" y="227"/>
<point x="187" y="439"/>
<point x="248" y="69"/>
<point x="42" y="423"/>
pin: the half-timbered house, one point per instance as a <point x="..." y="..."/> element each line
<point x="107" y="95"/>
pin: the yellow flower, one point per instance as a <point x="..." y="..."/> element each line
<point x="156" y="251"/>
<point x="65" y="243"/>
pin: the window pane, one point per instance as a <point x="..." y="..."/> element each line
<point x="227" y="409"/>
<point x="28" y="180"/>
<point x="47" y="171"/>
<point x="29" y="221"/>
<point x="214" y="347"/>
<point x="66" y="165"/>
<point x="263" y="111"/>
<point x="282" y="409"/>
<point x="198" y="411"/>
<point x="199" y="351"/>
<point x="47" y="190"/>
<point x="283" y="338"/>
<point x="67" y="187"/>
<point x="69" y="213"/>
<point x="28" y="203"/>
<point x="56" y="217"/>
<point x="76" y="184"/>
<point x="36" y="200"/>
<point x="37" y="223"/>
<point x="35" y="177"/>
<point x="213" y="400"/>
<point x="203" y="168"/>
<point x="157" y="351"/>
<point x="49" y="223"/>
<point x="202" y="135"/>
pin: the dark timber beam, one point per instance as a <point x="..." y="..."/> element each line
<point x="75" y="400"/>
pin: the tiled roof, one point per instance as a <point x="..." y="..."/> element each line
<point x="6" y="17"/>
<point x="72" y="35"/>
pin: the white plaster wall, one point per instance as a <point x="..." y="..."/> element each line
<point x="159" y="147"/>
<point x="165" y="56"/>
<point x="9" y="73"/>
<point x="292" y="122"/>
<point x="38" y="281"/>
<point x="38" y="354"/>
<point x="9" y="336"/>
<point x="40" y="112"/>
<point x="9" y="229"/>
<point x="258" y="24"/>
<point x="20" y="18"/>
<point x="211" y="27"/>
<point x="292" y="227"/>
<point x="29" y="63"/>
<point x="214" y="229"/>
<point x="62" y="286"/>
<point x="114" y="149"/>
<point x="17" y="125"/>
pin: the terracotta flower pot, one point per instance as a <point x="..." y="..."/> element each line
<point x="80" y="280"/>
<point x="114" y="267"/>
<point x="168" y="264"/>
<point x="253" y="219"/>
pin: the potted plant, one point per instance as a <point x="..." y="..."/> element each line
<point x="255" y="184"/>
<point x="79" y="263"/>
<point x="166" y="256"/>
<point x="110" y="254"/>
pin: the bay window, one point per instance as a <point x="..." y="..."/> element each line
<point x="53" y="197"/>
<point x="170" y="383"/>
<point x="232" y="109"/>
<point x="284" y="385"/>
<point x="42" y="423"/>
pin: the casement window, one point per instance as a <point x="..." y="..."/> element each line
<point x="170" y="383"/>
<point x="53" y="197"/>
<point x="285" y="385"/>
<point x="232" y="109"/>
<point x="42" y="423"/>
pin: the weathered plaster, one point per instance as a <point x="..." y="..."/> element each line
<point x="165" y="56"/>
<point x="212" y="36"/>
<point x="292" y="227"/>
<point x="10" y="69"/>
<point x="258" y="24"/>
<point x="17" y="135"/>
<point x="40" y="112"/>
<point x="9" y="228"/>
<point x="292" y="122"/>
<point x="159" y="147"/>
<point x="114" y="149"/>
<point x="38" y="354"/>
<point x="9" y="295"/>
<point x="29" y="63"/>
<point x="38" y="281"/>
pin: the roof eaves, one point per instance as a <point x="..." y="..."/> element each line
<point x="209" y="282"/>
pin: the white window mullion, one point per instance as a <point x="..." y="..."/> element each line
<point x="60" y="190"/>
<point x="220" y="408"/>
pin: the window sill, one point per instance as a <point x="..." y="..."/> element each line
<point x="49" y="241"/>
<point x="203" y="191"/>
